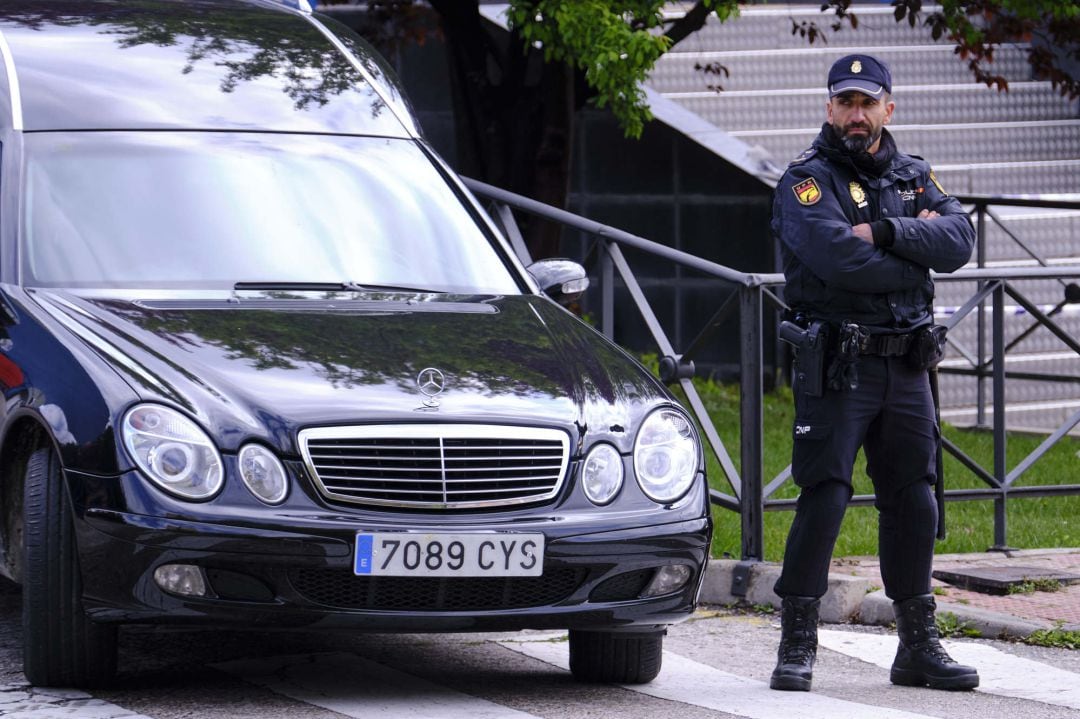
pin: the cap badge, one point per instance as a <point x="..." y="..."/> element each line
<point x="856" y="67"/>
<point x="807" y="191"/>
<point x="857" y="194"/>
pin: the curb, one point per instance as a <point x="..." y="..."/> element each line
<point x="850" y="599"/>
<point x="842" y="601"/>
<point x="877" y="609"/>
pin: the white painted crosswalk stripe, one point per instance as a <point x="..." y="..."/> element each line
<point x="353" y="686"/>
<point x="356" y="687"/>
<point x="26" y="702"/>
<point x="690" y="682"/>
<point x="1000" y="673"/>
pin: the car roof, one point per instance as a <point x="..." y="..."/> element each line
<point x="254" y="65"/>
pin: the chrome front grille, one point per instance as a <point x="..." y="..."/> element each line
<point x="436" y="466"/>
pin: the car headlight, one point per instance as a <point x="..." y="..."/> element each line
<point x="263" y="473"/>
<point x="602" y="474"/>
<point x="172" y="451"/>
<point x="665" y="455"/>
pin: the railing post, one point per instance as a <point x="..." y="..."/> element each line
<point x="751" y="413"/>
<point x="1000" y="468"/>
<point x="980" y="329"/>
<point x="607" y="292"/>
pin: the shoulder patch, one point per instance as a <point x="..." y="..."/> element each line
<point x="806" y="155"/>
<point x="807" y="191"/>
<point x="933" y="178"/>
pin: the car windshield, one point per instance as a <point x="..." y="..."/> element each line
<point x="210" y="210"/>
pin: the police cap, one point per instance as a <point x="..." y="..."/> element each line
<point x="862" y="73"/>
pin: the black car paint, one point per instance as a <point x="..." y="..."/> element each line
<point x="501" y="355"/>
<point x="247" y="366"/>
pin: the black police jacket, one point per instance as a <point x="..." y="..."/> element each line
<point x="834" y="275"/>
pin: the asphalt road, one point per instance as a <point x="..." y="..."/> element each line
<point x="716" y="666"/>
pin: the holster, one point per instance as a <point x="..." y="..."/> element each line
<point x="843" y="374"/>
<point x="927" y="347"/>
<point x="810" y="344"/>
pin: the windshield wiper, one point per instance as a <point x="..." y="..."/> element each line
<point x="324" y="287"/>
<point x="299" y="286"/>
<point x="385" y="288"/>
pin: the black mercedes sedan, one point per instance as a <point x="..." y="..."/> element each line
<point x="268" y="364"/>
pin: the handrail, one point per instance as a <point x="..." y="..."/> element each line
<point x="750" y="496"/>
<point x="616" y="235"/>
<point x="1018" y="201"/>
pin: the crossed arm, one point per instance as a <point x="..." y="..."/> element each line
<point x="863" y="232"/>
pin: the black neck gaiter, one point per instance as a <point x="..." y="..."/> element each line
<point x="876" y="165"/>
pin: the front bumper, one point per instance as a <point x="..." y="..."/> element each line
<point x="299" y="575"/>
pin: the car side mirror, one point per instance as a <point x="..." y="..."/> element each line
<point x="560" y="279"/>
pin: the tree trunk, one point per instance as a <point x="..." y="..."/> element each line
<point x="513" y="114"/>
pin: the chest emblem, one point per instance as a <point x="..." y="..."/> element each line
<point x="807" y="192"/>
<point x="857" y="194"/>
<point x="908" y="195"/>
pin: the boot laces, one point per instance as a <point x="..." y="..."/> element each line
<point x="922" y="632"/>
<point x="797" y="652"/>
<point x="799" y="642"/>
<point x="933" y="647"/>
<point x="799" y="617"/>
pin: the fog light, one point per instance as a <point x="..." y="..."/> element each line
<point x="667" y="579"/>
<point x="185" y="579"/>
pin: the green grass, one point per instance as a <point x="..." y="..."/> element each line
<point x="1030" y="586"/>
<point x="1056" y="637"/>
<point x="1031" y="522"/>
<point x="949" y="625"/>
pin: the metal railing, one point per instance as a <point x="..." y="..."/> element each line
<point x="754" y="295"/>
<point x="984" y="215"/>
<point x="990" y="365"/>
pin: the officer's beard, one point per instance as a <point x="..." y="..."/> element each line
<point x="857" y="144"/>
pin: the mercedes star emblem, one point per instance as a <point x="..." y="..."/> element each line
<point x="431" y="382"/>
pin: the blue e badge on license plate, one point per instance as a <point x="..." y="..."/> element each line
<point x="363" y="554"/>
<point x="448" y="554"/>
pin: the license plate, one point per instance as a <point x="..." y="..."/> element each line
<point x="412" y="554"/>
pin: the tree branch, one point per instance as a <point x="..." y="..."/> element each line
<point x="692" y="21"/>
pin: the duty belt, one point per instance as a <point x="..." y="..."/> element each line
<point x="886" y="345"/>
<point x="851" y="339"/>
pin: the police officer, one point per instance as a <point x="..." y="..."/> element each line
<point x="861" y="225"/>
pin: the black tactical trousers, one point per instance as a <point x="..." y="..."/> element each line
<point x="891" y="416"/>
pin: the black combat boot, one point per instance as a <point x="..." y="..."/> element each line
<point x="798" y="644"/>
<point x="921" y="660"/>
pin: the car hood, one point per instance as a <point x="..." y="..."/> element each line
<point x="266" y="366"/>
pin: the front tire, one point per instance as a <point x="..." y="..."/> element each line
<point x="61" y="646"/>
<point x="616" y="657"/>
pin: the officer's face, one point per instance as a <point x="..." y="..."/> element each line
<point x="858" y="119"/>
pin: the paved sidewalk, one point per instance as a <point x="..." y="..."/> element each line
<point x="1040" y="607"/>
<point x="855" y="591"/>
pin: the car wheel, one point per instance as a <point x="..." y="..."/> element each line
<point x="616" y="657"/>
<point x="61" y="646"/>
